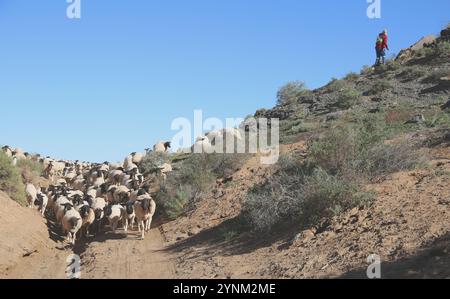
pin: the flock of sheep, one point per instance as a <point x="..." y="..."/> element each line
<point x="84" y="197"/>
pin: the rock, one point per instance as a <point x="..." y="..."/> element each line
<point x="417" y="119"/>
<point x="218" y="193"/>
<point x="304" y="237"/>
<point x="334" y="116"/>
<point x="407" y="54"/>
<point x="354" y="212"/>
<point x="444" y="81"/>
<point x="446" y="105"/>
<point x="377" y="99"/>
<point x="445" y="34"/>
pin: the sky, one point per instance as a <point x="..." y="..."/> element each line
<point x="112" y="82"/>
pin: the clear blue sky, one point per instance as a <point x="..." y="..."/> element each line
<point x="111" y="83"/>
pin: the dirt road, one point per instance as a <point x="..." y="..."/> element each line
<point x="123" y="256"/>
<point x="29" y="249"/>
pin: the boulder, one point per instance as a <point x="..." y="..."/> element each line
<point x="406" y="54"/>
<point x="446" y="105"/>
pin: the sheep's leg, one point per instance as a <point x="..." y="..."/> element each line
<point x="139" y="225"/>
<point x="114" y="226"/>
<point x="147" y="226"/>
<point x="143" y="231"/>
<point x="125" y="227"/>
<point x="132" y="223"/>
<point x="150" y="223"/>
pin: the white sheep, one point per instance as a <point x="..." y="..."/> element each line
<point x="31" y="193"/>
<point x="71" y="222"/>
<point x="128" y="215"/>
<point x="8" y="151"/>
<point x="59" y="206"/>
<point x="114" y="214"/>
<point x="88" y="217"/>
<point x="137" y="158"/>
<point x="145" y="208"/>
<point x="41" y="201"/>
<point x="161" y="147"/>
<point x="19" y="153"/>
<point x="202" y="145"/>
<point x="127" y="161"/>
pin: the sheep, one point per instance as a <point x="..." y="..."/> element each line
<point x="59" y="208"/>
<point x="137" y="193"/>
<point x="20" y="154"/>
<point x="128" y="215"/>
<point x="79" y="184"/>
<point x="114" y="166"/>
<point x="8" y="151"/>
<point x="14" y="161"/>
<point x="114" y="215"/>
<point x="88" y="217"/>
<point x="98" y="206"/>
<point x="162" y="147"/>
<point x="137" y="158"/>
<point x="145" y="208"/>
<point x="71" y="222"/>
<point x="92" y="192"/>
<point x="114" y="176"/>
<point x="41" y="201"/>
<point x="165" y="169"/>
<point x="31" y="193"/>
<point x="121" y="194"/>
<point x="218" y="138"/>
<point x="202" y="145"/>
<point x="99" y="179"/>
<point x="127" y="161"/>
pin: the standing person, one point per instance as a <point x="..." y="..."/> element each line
<point x="381" y="47"/>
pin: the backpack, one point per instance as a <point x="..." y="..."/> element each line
<point x="380" y="40"/>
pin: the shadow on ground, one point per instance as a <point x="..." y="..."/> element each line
<point x="227" y="238"/>
<point x="431" y="262"/>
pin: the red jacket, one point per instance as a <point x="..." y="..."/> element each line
<point x="384" y="43"/>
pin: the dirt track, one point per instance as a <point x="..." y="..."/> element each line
<point x="120" y="256"/>
<point x="27" y="252"/>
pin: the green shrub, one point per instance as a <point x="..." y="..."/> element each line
<point x="195" y="177"/>
<point x="412" y="73"/>
<point x="336" y="85"/>
<point x="443" y="49"/>
<point x="10" y="180"/>
<point x="384" y="159"/>
<point x="331" y="180"/>
<point x="324" y="194"/>
<point x="348" y="99"/>
<point x="30" y="170"/>
<point x="351" y="77"/>
<point x="436" y="75"/>
<point x="380" y="87"/>
<point x="393" y="65"/>
<point x="291" y="92"/>
<point x="174" y="201"/>
<point x="153" y="161"/>
<point x="302" y="128"/>
<point x="366" y="70"/>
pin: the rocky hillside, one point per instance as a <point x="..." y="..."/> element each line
<point x="364" y="169"/>
<point x="400" y="212"/>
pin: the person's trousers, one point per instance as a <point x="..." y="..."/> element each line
<point x="381" y="56"/>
